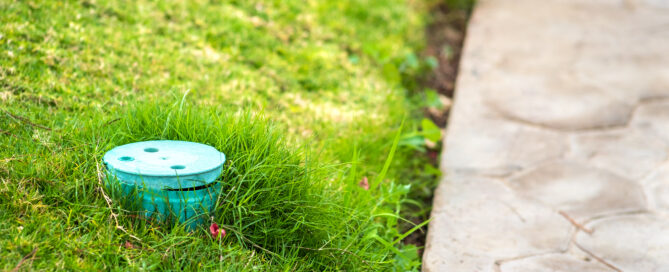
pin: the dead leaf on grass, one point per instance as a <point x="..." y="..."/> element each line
<point x="129" y="245"/>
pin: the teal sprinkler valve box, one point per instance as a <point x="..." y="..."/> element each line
<point x="171" y="179"/>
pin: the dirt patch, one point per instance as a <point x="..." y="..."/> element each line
<point x="445" y="36"/>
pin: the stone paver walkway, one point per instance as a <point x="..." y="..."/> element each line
<point x="556" y="155"/>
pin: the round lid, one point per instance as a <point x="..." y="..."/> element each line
<point x="164" y="158"/>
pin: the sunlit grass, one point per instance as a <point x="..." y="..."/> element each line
<point x="305" y="99"/>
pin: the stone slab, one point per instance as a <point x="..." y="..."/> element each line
<point x="556" y="154"/>
<point x="557" y="262"/>
<point x="637" y="242"/>
<point x="501" y="225"/>
<point x="581" y="191"/>
<point x="630" y="153"/>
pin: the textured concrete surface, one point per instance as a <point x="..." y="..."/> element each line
<point x="557" y="152"/>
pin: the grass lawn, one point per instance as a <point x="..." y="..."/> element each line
<point x="306" y="98"/>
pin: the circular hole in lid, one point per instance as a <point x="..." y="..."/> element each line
<point x="178" y="167"/>
<point x="151" y="149"/>
<point x="126" y="158"/>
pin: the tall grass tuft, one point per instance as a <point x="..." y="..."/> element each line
<point x="272" y="200"/>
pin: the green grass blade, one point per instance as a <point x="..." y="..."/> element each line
<point x="409" y="232"/>
<point x="389" y="159"/>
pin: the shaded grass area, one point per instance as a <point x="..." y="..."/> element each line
<point x="305" y="98"/>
